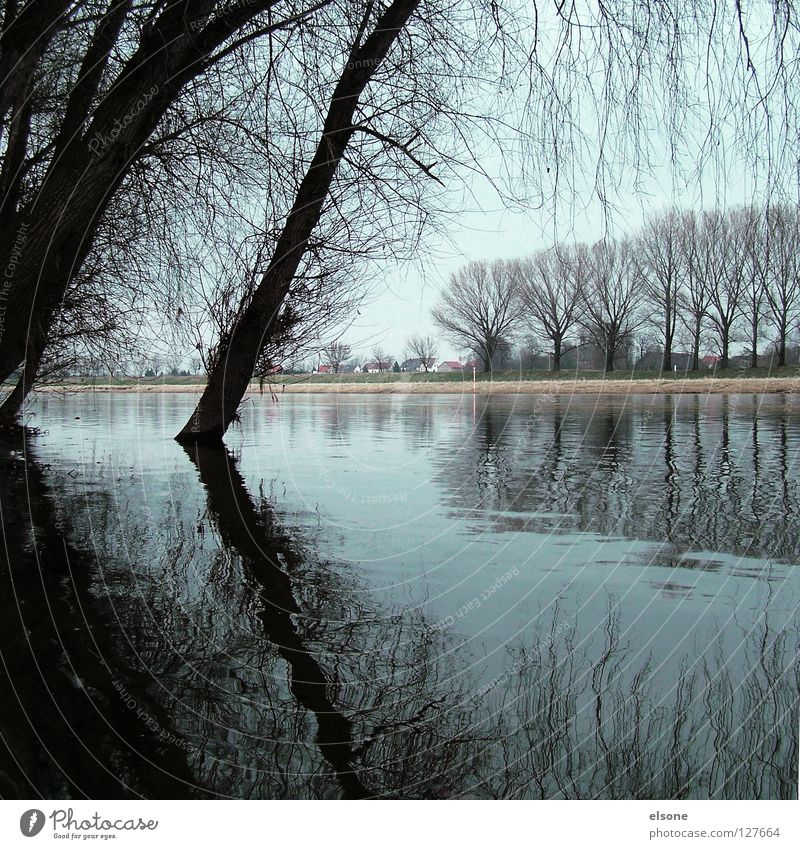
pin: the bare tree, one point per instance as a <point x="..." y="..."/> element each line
<point x="85" y="86"/>
<point x="722" y="259"/>
<point x="749" y="225"/>
<point x="612" y="298"/>
<point x="659" y="261"/>
<point x="423" y="347"/>
<point x="695" y="297"/>
<point x="550" y="286"/>
<point x="382" y="360"/>
<point x="783" y="272"/>
<point x="479" y="310"/>
<point x="337" y="354"/>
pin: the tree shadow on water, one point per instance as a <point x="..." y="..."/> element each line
<point x="76" y="719"/>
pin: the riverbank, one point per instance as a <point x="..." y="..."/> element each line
<point x="504" y="386"/>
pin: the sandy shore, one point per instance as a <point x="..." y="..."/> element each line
<point x="695" y="386"/>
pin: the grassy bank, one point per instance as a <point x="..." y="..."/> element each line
<point x="524" y="383"/>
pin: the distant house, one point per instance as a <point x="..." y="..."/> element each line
<point x="417" y="364"/>
<point x="710" y="361"/>
<point x="473" y="364"/>
<point x="374" y="368"/>
<point x="653" y="360"/>
<point x="449" y="365"/>
<point x="681" y="360"/>
<point x="326" y="369"/>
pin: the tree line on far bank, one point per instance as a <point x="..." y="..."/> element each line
<point x="693" y="280"/>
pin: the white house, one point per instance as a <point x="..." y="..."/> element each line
<point x="417" y="364"/>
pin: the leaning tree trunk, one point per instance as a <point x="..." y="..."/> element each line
<point x="238" y="353"/>
<point x="11" y="407"/>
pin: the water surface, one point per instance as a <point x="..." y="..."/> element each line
<point x="409" y="596"/>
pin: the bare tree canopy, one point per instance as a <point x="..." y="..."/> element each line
<point x="660" y="263"/>
<point x="722" y="255"/>
<point x="381" y="360"/>
<point x="781" y="230"/>
<point x="695" y="296"/>
<point x="550" y="286"/>
<point x="612" y="297"/>
<point x="479" y="309"/>
<point x="337" y="354"/>
<point x="424" y="348"/>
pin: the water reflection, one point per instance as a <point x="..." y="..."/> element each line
<point x="717" y="474"/>
<point x="552" y="598"/>
<point x="76" y="713"/>
<point x="267" y="557"/>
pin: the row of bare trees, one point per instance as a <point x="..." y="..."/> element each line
<point x="713" y="278"/>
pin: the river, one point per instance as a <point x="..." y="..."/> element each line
<point x="404" y="596"/>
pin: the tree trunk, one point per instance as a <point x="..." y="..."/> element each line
<point x="230" y="376"/>
<point x="723" y="364"/>
<point x="666" y="360"/>
<point x="557" y="354"/>
<point x="782" y="345"/>
<point x="611" y="349"/>
<point x="754" y="342"/>
<point x="12" y="405"/>
<point x="669" y="333"/>
<point x="696" y="346"/>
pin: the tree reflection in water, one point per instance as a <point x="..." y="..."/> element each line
<point x="714" y="473"/>
<point x="283" y="675"/>
<point x="575" y="726"/>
